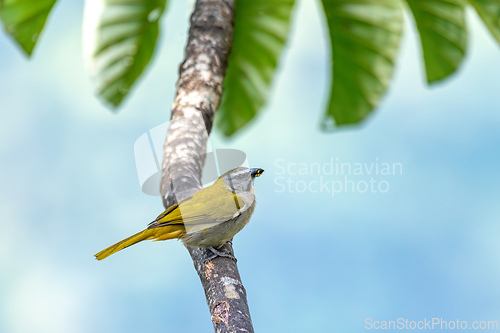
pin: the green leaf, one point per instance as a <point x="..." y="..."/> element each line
<point x="24" y="20"/>
<point x="441" y="24"/>
<point x="119" y="41"/>
<point x="489" y="11"/>
<point x="365" y="37"/>
<point x="260" y="32"/>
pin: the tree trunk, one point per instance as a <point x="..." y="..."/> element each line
<point x="199" y="91"/>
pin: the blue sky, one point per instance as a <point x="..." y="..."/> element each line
<point x="426" y="248"/>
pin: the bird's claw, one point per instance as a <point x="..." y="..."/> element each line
<point x="217" y="253"/>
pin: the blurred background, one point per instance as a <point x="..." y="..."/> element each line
<point x="311" y="260"/>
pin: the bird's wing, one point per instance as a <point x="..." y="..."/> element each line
<point x="168" y="214"/>
<point x="203" y="209"/>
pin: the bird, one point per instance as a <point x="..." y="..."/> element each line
<point x="208" y="218"/>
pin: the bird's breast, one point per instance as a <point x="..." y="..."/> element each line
<point x="219" y="233"/>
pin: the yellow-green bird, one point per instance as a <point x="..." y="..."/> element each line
<point x="208" y="218"/>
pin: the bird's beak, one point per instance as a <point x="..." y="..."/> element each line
<point x="256" y="172"/>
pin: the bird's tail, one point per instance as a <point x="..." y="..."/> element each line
<point x="158" y="233"/>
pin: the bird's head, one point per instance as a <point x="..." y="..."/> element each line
<point x="241" y="179"/>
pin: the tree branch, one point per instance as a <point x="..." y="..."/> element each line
<point x="199" y="91"/>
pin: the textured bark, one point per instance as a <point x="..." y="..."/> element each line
<point x="199" y="91"/>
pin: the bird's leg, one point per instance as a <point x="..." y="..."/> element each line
<point x="217" y="253"/>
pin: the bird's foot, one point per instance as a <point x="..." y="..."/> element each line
<point x="217" y="253"/>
